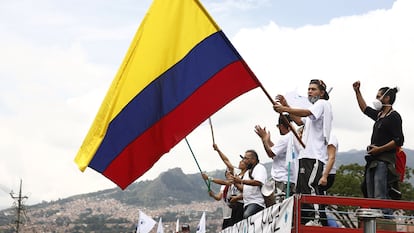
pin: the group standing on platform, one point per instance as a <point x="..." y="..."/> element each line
<point x="303" y="157"/>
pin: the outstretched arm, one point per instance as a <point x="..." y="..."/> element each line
<point x="239" y="182"/>
<point x="215" y="180"/>
<point x="223" y="157"/>
<point x="217" y="196"/>
<point x="299" y="112"/>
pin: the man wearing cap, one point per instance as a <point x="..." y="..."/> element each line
<point x="318" y="123"/>
<point x="251" y="184"/>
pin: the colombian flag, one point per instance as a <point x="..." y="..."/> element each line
<point x="179" y="70"/>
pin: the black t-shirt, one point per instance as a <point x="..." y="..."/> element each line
<point x="387" y="128"/>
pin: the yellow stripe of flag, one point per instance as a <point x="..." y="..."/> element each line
<point x="161" y="41"/>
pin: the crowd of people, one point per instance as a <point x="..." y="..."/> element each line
<point x="304" y="157"/>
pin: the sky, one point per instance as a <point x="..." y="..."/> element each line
<point x="58" y="59"/>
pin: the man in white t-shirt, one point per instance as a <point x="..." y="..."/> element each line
<point x="251" y="184"/>
<point x="318" y="123"/>
<point x="284" y="169"/>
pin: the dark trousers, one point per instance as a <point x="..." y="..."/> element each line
<point x="251" y="209"/>
<point x="310" y="172"/>
<point x="322" y="191"/>
<point x="236" y="213"/>
<point x="227" y="222"/>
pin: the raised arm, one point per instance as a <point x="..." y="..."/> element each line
<point x="223" y="157"/>
<point x="267" y="142"/>
<point x="361" y="102"/>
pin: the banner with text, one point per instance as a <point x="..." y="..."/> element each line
<point x="276" y="218"/>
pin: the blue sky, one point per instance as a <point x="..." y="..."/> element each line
<point x="294" y="13"/>
<point x="59" y="57"/>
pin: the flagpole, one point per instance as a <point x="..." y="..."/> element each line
<point x="284" y="118"/>
<point x="188" y="144"/>
<point x="211" y="128"/>
<point x="288" y="183"/>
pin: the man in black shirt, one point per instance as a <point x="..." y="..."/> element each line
<point x="386" y="136"/>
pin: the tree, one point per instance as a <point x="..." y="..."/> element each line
<point x="349" y="177"/>
<point x="348" y="181"/>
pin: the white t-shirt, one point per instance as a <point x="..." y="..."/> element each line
<point x="313" y="133"/>
<point x="279" y="171"/>
<point x="233" y="189"/>
<point x="226" y="208"/>
<point x="253" y="194"/>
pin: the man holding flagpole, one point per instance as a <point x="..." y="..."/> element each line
<point x="317" y="121"/>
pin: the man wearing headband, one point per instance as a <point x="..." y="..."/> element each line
<point x="318" y="123"/>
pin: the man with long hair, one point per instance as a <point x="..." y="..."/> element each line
<point x="387" y="135"/>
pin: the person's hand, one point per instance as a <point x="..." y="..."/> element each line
<point x="204" y="175"/>
<point x="211" y="193"/>
<point x="233" y="199"/>
<point x="229" y="180"/>
<point x="356" y="85"/>
<point x="373" y="150"/>
<point x="261" y="132"/>
<point x="323" y="181"/>
<point x="236" y="180"/>
<point x="281" y="99"/>
<point x="279" y="108"/>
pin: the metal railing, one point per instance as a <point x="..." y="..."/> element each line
<point x="352" y="213"/>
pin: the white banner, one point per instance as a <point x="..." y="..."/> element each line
<point x="276" y="218"/>
<point x="201" y="228"/>
<point x="160" y="228"/>
<point x="145" y="223"/>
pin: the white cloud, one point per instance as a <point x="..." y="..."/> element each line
<point x="231" y="5"/>
<point x="375" y="48"/>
